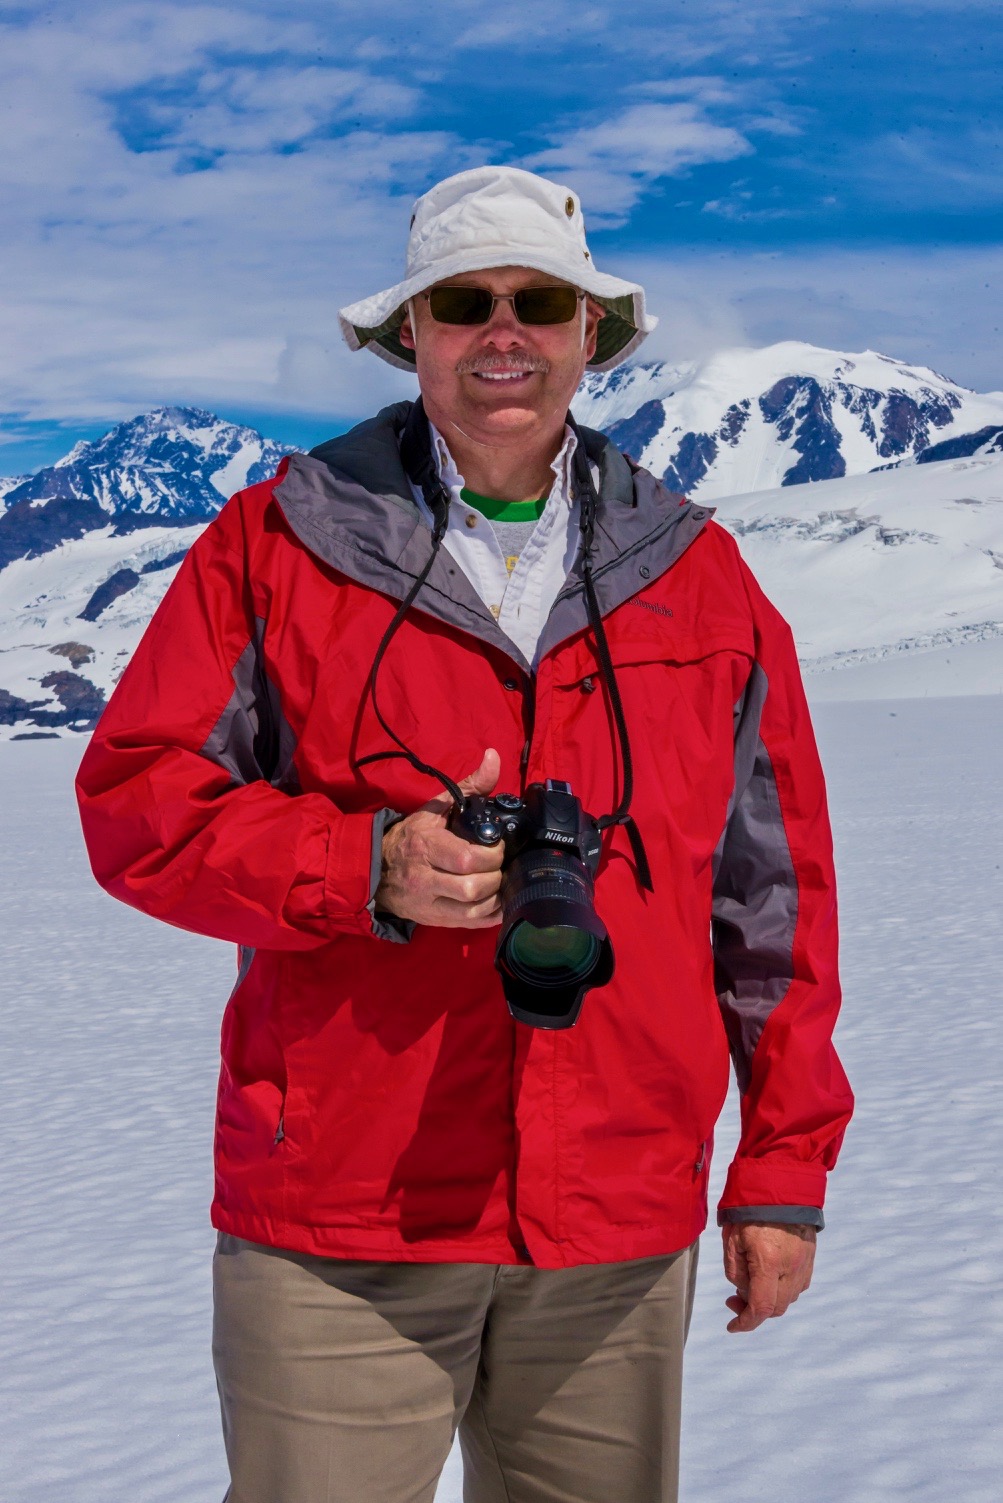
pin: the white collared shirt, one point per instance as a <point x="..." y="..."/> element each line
<point x="520" y="601"/>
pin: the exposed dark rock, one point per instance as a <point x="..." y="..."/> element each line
<point x="798" y="407"/>
<point x="633" y="434"/>
<point x="119" y="583"/>
<point x="903" y="426"/>
<point x="990" y="439"/>
<point x="80" y="699"/>
<point x="694" y="457"/>
<point x="906" y="423"/>
<point x="13" y="709"/>
<point x="734" y="421"/>
<point x="861" y="401"/>
<point x="81" y="703"/>
<point x="164" y="563"/>
<point x="78" y="653"/>
<point x="36" y="736"/>
<point x="135" y="521"/>
<point x="28" y="531"/>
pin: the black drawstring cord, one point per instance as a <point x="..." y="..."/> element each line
<point x="416" y="454"/>
<point x="589" y="501"/>
<point x="418" y="462"/>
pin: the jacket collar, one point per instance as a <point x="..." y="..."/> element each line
<point x="350" y="502"/>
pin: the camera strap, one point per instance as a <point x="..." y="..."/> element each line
<point x="589" y="504"/>
<point x="416" y="456"/>
<point x="419" y="464"/>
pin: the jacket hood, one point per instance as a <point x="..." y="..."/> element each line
<point x="351" y="503"/>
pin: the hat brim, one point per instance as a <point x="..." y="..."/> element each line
<point x="374" y="323"/>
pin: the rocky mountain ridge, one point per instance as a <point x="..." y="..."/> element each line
<point x="169" y="467"/>
<point x="791" y="414"/>
<point x="813" y="455"/>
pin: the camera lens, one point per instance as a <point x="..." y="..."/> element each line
<point x="555" y="956"/>
<point x="553" y="946"/>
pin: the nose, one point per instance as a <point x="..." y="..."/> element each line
<point x="503" y="328"/>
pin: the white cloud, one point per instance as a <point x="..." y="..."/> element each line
<point x="921" y="168"/>
<point x="528" y="23"/>
<point x="131" y="279"/>
<point x="613" y="163"/>
<point x="931" y="307"/>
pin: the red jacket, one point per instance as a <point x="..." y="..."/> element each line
<point x="376" y="1099"/>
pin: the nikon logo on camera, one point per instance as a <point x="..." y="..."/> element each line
<point x="558" y="837"/>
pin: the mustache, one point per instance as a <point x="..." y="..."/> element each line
<point x="473" y="364"/>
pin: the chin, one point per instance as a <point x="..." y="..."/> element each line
<point x="511" y="420"/>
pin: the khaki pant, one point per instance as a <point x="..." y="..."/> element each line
<point x="344" y="1381"/>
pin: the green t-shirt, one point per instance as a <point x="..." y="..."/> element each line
<point x="512" y="522"/>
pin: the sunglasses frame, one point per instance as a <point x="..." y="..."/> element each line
<point x="501" y="297"/>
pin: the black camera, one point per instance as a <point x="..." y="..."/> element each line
<point x="553" y="946"/>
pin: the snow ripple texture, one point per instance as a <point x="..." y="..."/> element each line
<point x="878" y="1385"/>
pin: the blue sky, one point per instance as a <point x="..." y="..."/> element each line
<point x="190" y="190"/>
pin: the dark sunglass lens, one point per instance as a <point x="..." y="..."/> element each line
<point x="546" y="305"/>
<point x="460" y="305"/>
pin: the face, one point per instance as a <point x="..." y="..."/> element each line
<point x="501" y="383"/>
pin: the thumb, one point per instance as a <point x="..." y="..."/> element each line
<point x="485" y="777"/>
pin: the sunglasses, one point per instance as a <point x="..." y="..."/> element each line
<point x="532" y="305"/>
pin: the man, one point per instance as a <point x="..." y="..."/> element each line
<point x="431" y="1214"/>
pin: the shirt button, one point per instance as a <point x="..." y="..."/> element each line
<point x="471" y="519"/>
<point x="511" y="683"/>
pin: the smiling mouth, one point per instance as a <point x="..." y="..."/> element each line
<point x="502" y="375"/>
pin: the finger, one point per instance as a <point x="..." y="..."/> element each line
<point x="447" y="852"/>
<point x="484" y="777"/>
<point x="482" y="780"/>
<point x="453" y="915"/>
<point x="760" y="1303"/>
<point x="476" y="888"/>
<point x="736" y="1304"/>
<point x="736" y="1263"/>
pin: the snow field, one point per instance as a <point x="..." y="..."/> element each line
<point x="879" y="1384"/>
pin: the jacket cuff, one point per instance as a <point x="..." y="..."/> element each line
<point x="773" y="1181"/>
<point x="348" y="874"/>
<point x="384" y="925"/>
<point x="774" y="1215"/>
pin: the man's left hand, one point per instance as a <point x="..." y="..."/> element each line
<point x="769" y="1264"/>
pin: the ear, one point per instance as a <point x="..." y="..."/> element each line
<point x="405" y="333"/>
<point x="594" y="313"/>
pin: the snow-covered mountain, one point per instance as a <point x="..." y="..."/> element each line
<point x="89" y="545"/>
<point x="167" y="468"/>
<point x="902" y="553"/>
<point x="873" y="566"/>
<point x="9" y="483"/>
<point x="748" y="420"/>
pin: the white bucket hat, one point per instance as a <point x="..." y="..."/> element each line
<point x="498" y="216"/>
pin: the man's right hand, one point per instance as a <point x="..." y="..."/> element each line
<point x="434" y="877"/>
